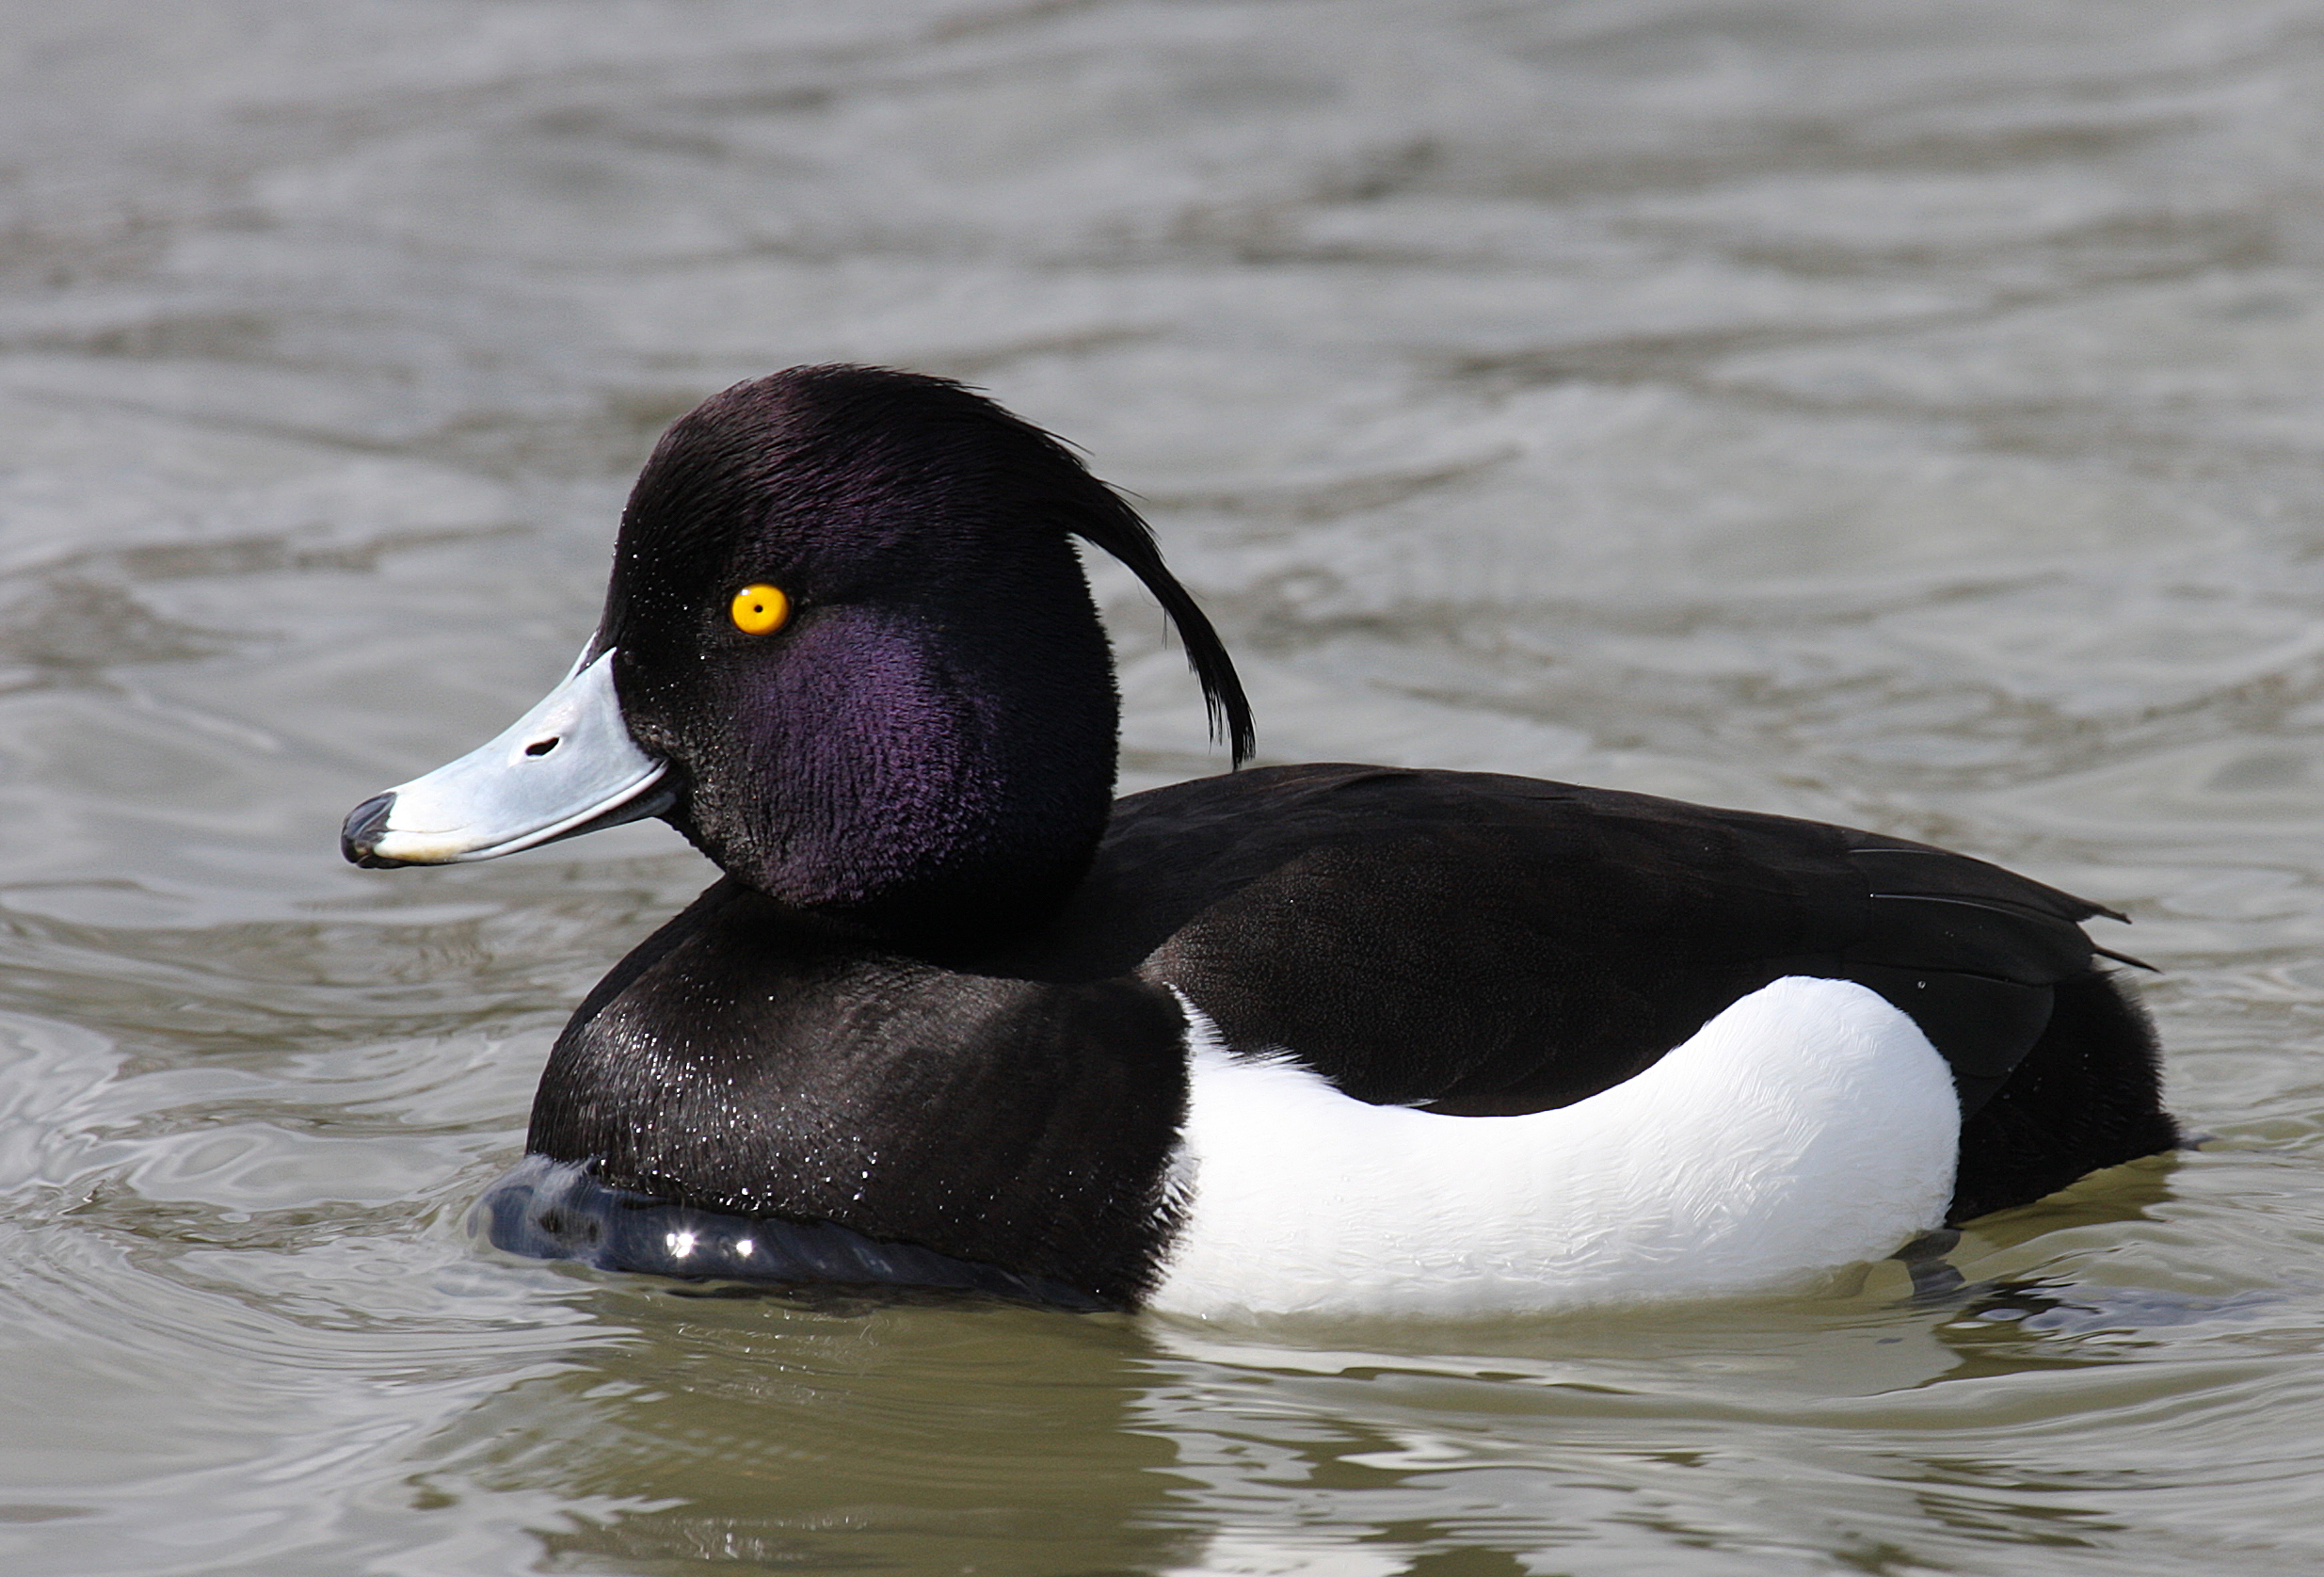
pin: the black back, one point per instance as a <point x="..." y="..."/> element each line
<point x="1488" y="945"/>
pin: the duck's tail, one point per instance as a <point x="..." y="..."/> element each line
<point x="2088" y="1095"/>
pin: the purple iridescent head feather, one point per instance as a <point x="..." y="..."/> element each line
<point x="925" y="750"/>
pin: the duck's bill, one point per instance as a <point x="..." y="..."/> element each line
<point x="564" y="768"/>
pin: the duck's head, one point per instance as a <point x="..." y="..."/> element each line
<point x="849" y="651"/>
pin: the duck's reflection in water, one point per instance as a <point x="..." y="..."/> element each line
<point x="738" y="1428"/>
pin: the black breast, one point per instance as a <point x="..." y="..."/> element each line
<point x="736" y="1065"/>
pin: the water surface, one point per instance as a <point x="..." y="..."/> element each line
<point x="1901" y="414"/>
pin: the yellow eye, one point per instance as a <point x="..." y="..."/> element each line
<point x="759" y="610"/>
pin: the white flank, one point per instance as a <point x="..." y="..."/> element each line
<point x="1809" y="1125"/>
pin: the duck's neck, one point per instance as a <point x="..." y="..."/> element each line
<point x="932" y="783"/>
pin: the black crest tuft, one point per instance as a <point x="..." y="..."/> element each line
<point x="1121" y="531"/>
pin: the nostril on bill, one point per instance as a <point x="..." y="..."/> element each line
<point x="542" y="746"/>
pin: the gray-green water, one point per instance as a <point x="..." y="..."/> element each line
<point x="1904" y="414"/>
